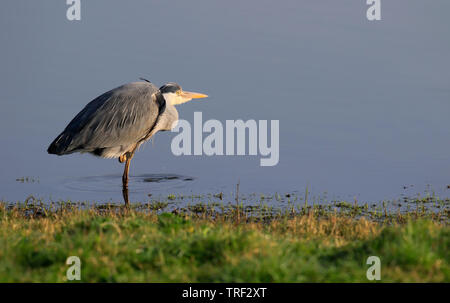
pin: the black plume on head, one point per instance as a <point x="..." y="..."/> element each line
<point x="146" y="80"/>
<point x="170" y="87"/>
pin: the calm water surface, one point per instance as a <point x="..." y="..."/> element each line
<point x="363" y="106"/>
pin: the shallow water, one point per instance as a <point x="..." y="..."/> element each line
<point x="363" y="107"/>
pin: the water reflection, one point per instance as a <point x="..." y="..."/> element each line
<point x="145" y="183"/>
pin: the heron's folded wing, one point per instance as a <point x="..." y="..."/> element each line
<point x="120" y="117"/>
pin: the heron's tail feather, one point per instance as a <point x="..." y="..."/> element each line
<point x="61" y="145"/>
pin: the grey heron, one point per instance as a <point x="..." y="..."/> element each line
<point x="116" y="123"/>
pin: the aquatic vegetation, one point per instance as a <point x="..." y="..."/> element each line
<point x="27" y="180"/>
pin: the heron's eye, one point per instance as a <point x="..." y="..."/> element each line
<point x="179" y="92"/>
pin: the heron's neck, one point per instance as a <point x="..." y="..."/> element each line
<point x="168" y="117"/>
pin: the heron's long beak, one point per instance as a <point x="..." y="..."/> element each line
<point x="192" y="95"/>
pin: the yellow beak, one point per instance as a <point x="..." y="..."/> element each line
<point x="192" y="95"/>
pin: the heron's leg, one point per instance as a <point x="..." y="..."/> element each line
<point x="123" y="158"/>
<point x="125" y="181"/>
<point x="125" y="172"/>
<point x="128" y="156"/>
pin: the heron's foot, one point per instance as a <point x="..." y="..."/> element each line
<point x="123" y="158"/>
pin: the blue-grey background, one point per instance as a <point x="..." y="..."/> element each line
<point x="363" y="106"/>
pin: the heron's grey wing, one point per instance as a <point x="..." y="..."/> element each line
<point x="120" y="117"/>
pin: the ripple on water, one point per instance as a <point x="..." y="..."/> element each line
<point x="139" y="183"/>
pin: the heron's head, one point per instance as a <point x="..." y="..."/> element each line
<point x="174" y="94"/>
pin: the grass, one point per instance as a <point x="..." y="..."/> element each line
<point x="214" y="243"/>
